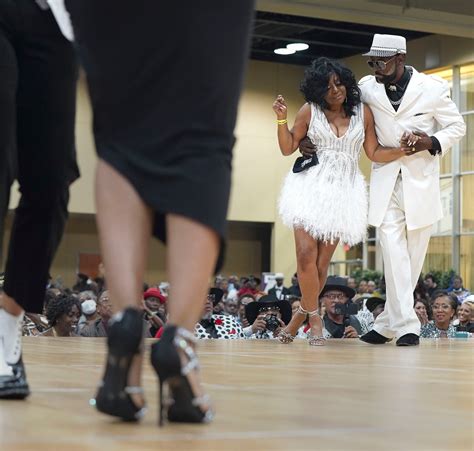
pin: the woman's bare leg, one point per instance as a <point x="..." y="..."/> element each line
<point x="306" y="257"/>
<point x="124" y="223"/>
<point x="325" y="253"/>
<point x="192" y="251"/>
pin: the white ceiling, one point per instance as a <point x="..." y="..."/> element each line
<point x="448" y="17"/>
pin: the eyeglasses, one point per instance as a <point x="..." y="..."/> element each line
<point x="334" y="296"/>
<point x="380" y="64"/>
<point x="441" y="307"/>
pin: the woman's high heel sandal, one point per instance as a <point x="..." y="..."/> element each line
<point x="124" y="343"/>
<point x="315" y="340"/>
<point x="284" y="336"/>
<point x="178" y="403"/>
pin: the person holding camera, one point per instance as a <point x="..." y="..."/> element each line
<point x="267" y="317"/>
<point x="340" y="320"/>
<point x="212" y="325"/>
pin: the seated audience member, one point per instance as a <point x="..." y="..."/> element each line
<point x="371" y="288"/>
<point x="458" y="289"/>
<point x="267" y="317"/>
<point x="430" y="284"/>
<point x="88" y="302"/>
<point x="368" y="311"/>
<point x="375" y="305"/>
<point x="278" y="290"/>
<point x="420" y="292"/>
<point x="250" y="286"/>
<point x="89" y="314"/>
<point x="305" y="327"/>
<point x="99" y="327"/>
<point x="222" y="283"/>
<point x="233" y="283"/>
<point x="423" y="311"/>
<point x="243" y="301"/>
<point x="444" y="308"/>
<point x="294" y="290"/>
<point x="351" y="283"/>
<point x="213" y="325"/>
<point x="217" y="297"/>
<point x="361" y="290"/>
<point x="155" y="302"/>
<point x="35" y="324"/>
<point x="231" y="308"/>
<point x="63" y="315"/>
<point x="337" y="324"/>
<point x="465" y="322"/>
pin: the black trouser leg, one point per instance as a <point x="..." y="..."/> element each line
<point x="45" y="118"/>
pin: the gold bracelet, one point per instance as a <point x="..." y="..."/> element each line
<point x="282" y="121"/>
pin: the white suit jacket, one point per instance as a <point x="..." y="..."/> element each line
<point x="427" y="107"/>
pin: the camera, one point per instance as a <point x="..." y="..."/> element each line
<point x="347" y="310"/>
<point x="272" y="322"/>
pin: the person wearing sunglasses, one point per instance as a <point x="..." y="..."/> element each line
<point x="416" y="110"/>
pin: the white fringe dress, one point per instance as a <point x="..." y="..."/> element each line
<point x="329" y="200"/>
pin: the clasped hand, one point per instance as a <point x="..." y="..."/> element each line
<point x="410" y="144"/>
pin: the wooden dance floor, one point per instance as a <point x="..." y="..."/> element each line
<point x="345" y="396"/>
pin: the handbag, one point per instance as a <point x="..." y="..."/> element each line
<point x="303" y="163"/>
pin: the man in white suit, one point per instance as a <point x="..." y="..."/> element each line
<point x="405" y="194"/>
<point x="416" y="110"/>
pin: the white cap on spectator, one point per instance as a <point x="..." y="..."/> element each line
<point x="279" y="275"/>
<point x="89" y="307"/>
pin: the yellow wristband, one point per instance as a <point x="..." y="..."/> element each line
<point x="282" y="121"/>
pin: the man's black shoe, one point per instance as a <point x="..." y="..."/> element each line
<point x="408" y="340"/>
<point x="15" y="386"/>
<point x="374" y="338"/>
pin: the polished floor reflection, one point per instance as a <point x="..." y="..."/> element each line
<point x="345" y="396"/>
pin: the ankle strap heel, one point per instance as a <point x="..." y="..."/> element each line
<point x="178" y="403"/>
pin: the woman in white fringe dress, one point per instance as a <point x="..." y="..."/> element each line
<point x="326" y="203"/>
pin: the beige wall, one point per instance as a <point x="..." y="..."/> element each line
<point x="258" y="165"/>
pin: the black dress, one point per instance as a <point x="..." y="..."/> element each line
<point x="164" y="79"/>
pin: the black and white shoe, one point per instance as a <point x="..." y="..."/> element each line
<point x="14" y="386"/>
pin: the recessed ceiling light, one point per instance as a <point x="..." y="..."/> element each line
<point x="284" y="51"/>
<point x="297" y="46"/>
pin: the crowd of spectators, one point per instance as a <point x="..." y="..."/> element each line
<point x="246" y="308"/>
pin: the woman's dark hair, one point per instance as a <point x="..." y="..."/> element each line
<point x="429" y="312"/>
<point x="453" y="300"/>
<point x="420" y="290"/>
<point x="315" y="83"/>
<point x="59" y="306"/>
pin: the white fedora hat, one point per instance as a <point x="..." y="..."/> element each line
<point x="384" y="45"/>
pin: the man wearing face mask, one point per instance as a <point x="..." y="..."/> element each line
<point x="416" y="110"/>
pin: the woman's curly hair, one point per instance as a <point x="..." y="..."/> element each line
<point x="315" y="83"/>
<point x="59" y="306"/>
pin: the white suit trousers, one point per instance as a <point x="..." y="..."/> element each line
<point x="403" y="253"/>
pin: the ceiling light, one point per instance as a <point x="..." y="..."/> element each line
<point x="284" y="51"/>
<point x="297" y="46"/>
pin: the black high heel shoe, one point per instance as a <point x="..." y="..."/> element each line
<point x="177" y="400"/>
<point x="124" y="342"/>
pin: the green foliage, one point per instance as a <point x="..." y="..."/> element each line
<point x="367" y="274"/>
<point x="443" y="278"/>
